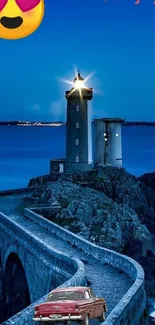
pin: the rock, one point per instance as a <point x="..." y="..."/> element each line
<point x="31" y="200"/>
<point x="46" y="195"/>
<point x="43" y="180"/>
<point x="148" y="179"/>
<point x="109" y="207"/>
<point x="53" y="202"/>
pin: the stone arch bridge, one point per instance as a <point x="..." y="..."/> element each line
<point x="36" y="255"/>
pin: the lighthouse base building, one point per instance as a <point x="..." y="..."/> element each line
<point x="107" y="142"/>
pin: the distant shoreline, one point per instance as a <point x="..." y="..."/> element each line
<point x="25" y="123"/>
<point x="60" y="123"/>
<point x="137" y="123"/>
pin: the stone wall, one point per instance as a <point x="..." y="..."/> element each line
<point x="131" y="307"/>
<point x="49" y="262"/>
<point x="18" y="191"/>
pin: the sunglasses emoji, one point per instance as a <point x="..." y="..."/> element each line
<point x="20" y="18"/>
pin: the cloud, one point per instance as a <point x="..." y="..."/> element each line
<point x="57" y="109"/>
<point x="36" y="107"/>
<point x="33" y="107"/>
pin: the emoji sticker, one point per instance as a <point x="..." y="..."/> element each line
<point x="20" y="18"/>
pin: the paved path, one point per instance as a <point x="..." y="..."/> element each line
<point x="106" y="281"/>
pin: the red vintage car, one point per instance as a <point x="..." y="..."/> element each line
<point x="66" y="305"/>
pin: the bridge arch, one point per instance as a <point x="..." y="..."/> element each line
<point x="15" y="289"/>
<point x="23" y="257"/>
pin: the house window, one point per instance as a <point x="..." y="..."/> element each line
<point x="77" y="108"/>
<point x="77" y="142"/>
<point x="77" y="125"/>
<point x="77" y="158"/>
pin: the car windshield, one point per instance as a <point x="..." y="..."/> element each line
<point x="70" y="295"/>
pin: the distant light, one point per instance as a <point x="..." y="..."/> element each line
<point x="105" y="139"/>
<point x="104" y="134"/>
<point x="116" y="134"/>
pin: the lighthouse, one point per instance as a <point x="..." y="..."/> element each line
<point x="78" y="127"/>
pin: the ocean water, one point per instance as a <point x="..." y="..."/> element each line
<point x="25" y="152"/>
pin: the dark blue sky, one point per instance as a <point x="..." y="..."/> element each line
<point x="116" y="38"/>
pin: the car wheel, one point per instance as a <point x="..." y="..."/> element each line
<point x="102" y="317"/>
<point x="85" y="321"/>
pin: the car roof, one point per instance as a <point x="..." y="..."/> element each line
<point x="76" y="289"/>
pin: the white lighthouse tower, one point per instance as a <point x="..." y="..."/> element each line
<point x="78" y="142"/>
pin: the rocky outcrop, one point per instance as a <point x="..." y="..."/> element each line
<point x="107" y="206"/>
<point x="148" y="179"/>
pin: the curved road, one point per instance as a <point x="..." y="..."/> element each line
<point x="106" y="281"/>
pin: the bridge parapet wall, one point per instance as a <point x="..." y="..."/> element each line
<point x="19" y="190"/>
<point x="51" y="261"/>
<point x="131" y="307"/>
